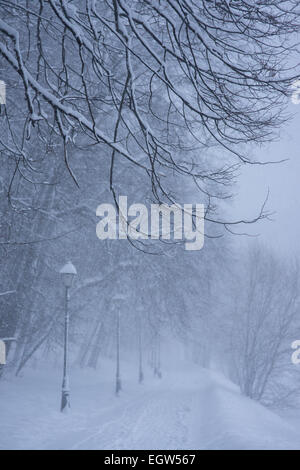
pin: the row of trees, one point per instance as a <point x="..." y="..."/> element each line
<point x="149" y="99"/>
<point x="253" y="325"/>
<point x="239" y="316"/>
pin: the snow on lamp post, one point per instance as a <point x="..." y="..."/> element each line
<point x="141" y="373"/>
<point x="118" y="300"/>
<point x="157" y="362"/>
<point x="68" y="272"/>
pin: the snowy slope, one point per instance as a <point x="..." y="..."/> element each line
<point x="188" y="409"/>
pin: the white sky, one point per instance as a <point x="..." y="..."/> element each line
<point x="283" y="181"/>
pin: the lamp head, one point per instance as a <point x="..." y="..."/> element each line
<point x="68" y="272"/>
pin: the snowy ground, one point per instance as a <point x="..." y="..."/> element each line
<point x="188" y="409"/>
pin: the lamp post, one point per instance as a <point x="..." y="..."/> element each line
<point x="141" y="373"/>
<point x="159" y="375"/>
<point x="68" y="272"/>
<point x="118" y="299"/>
<point x="157" y="363"/>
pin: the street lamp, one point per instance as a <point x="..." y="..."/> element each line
<point x="141" y="374"/>
<point x="118" y="300"/>
<point x="157" y="363"/>
<point x="158" y="358"/>
<point x="68" y="272"/>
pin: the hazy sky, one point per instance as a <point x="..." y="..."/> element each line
<point x="283" y="181"/>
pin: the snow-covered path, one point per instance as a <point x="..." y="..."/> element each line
<point x="151" y="421"/>
<point x="187" y="409"/>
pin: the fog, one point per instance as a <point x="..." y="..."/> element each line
<point x="149" y="225"/>
<point x="281" y="180"/>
